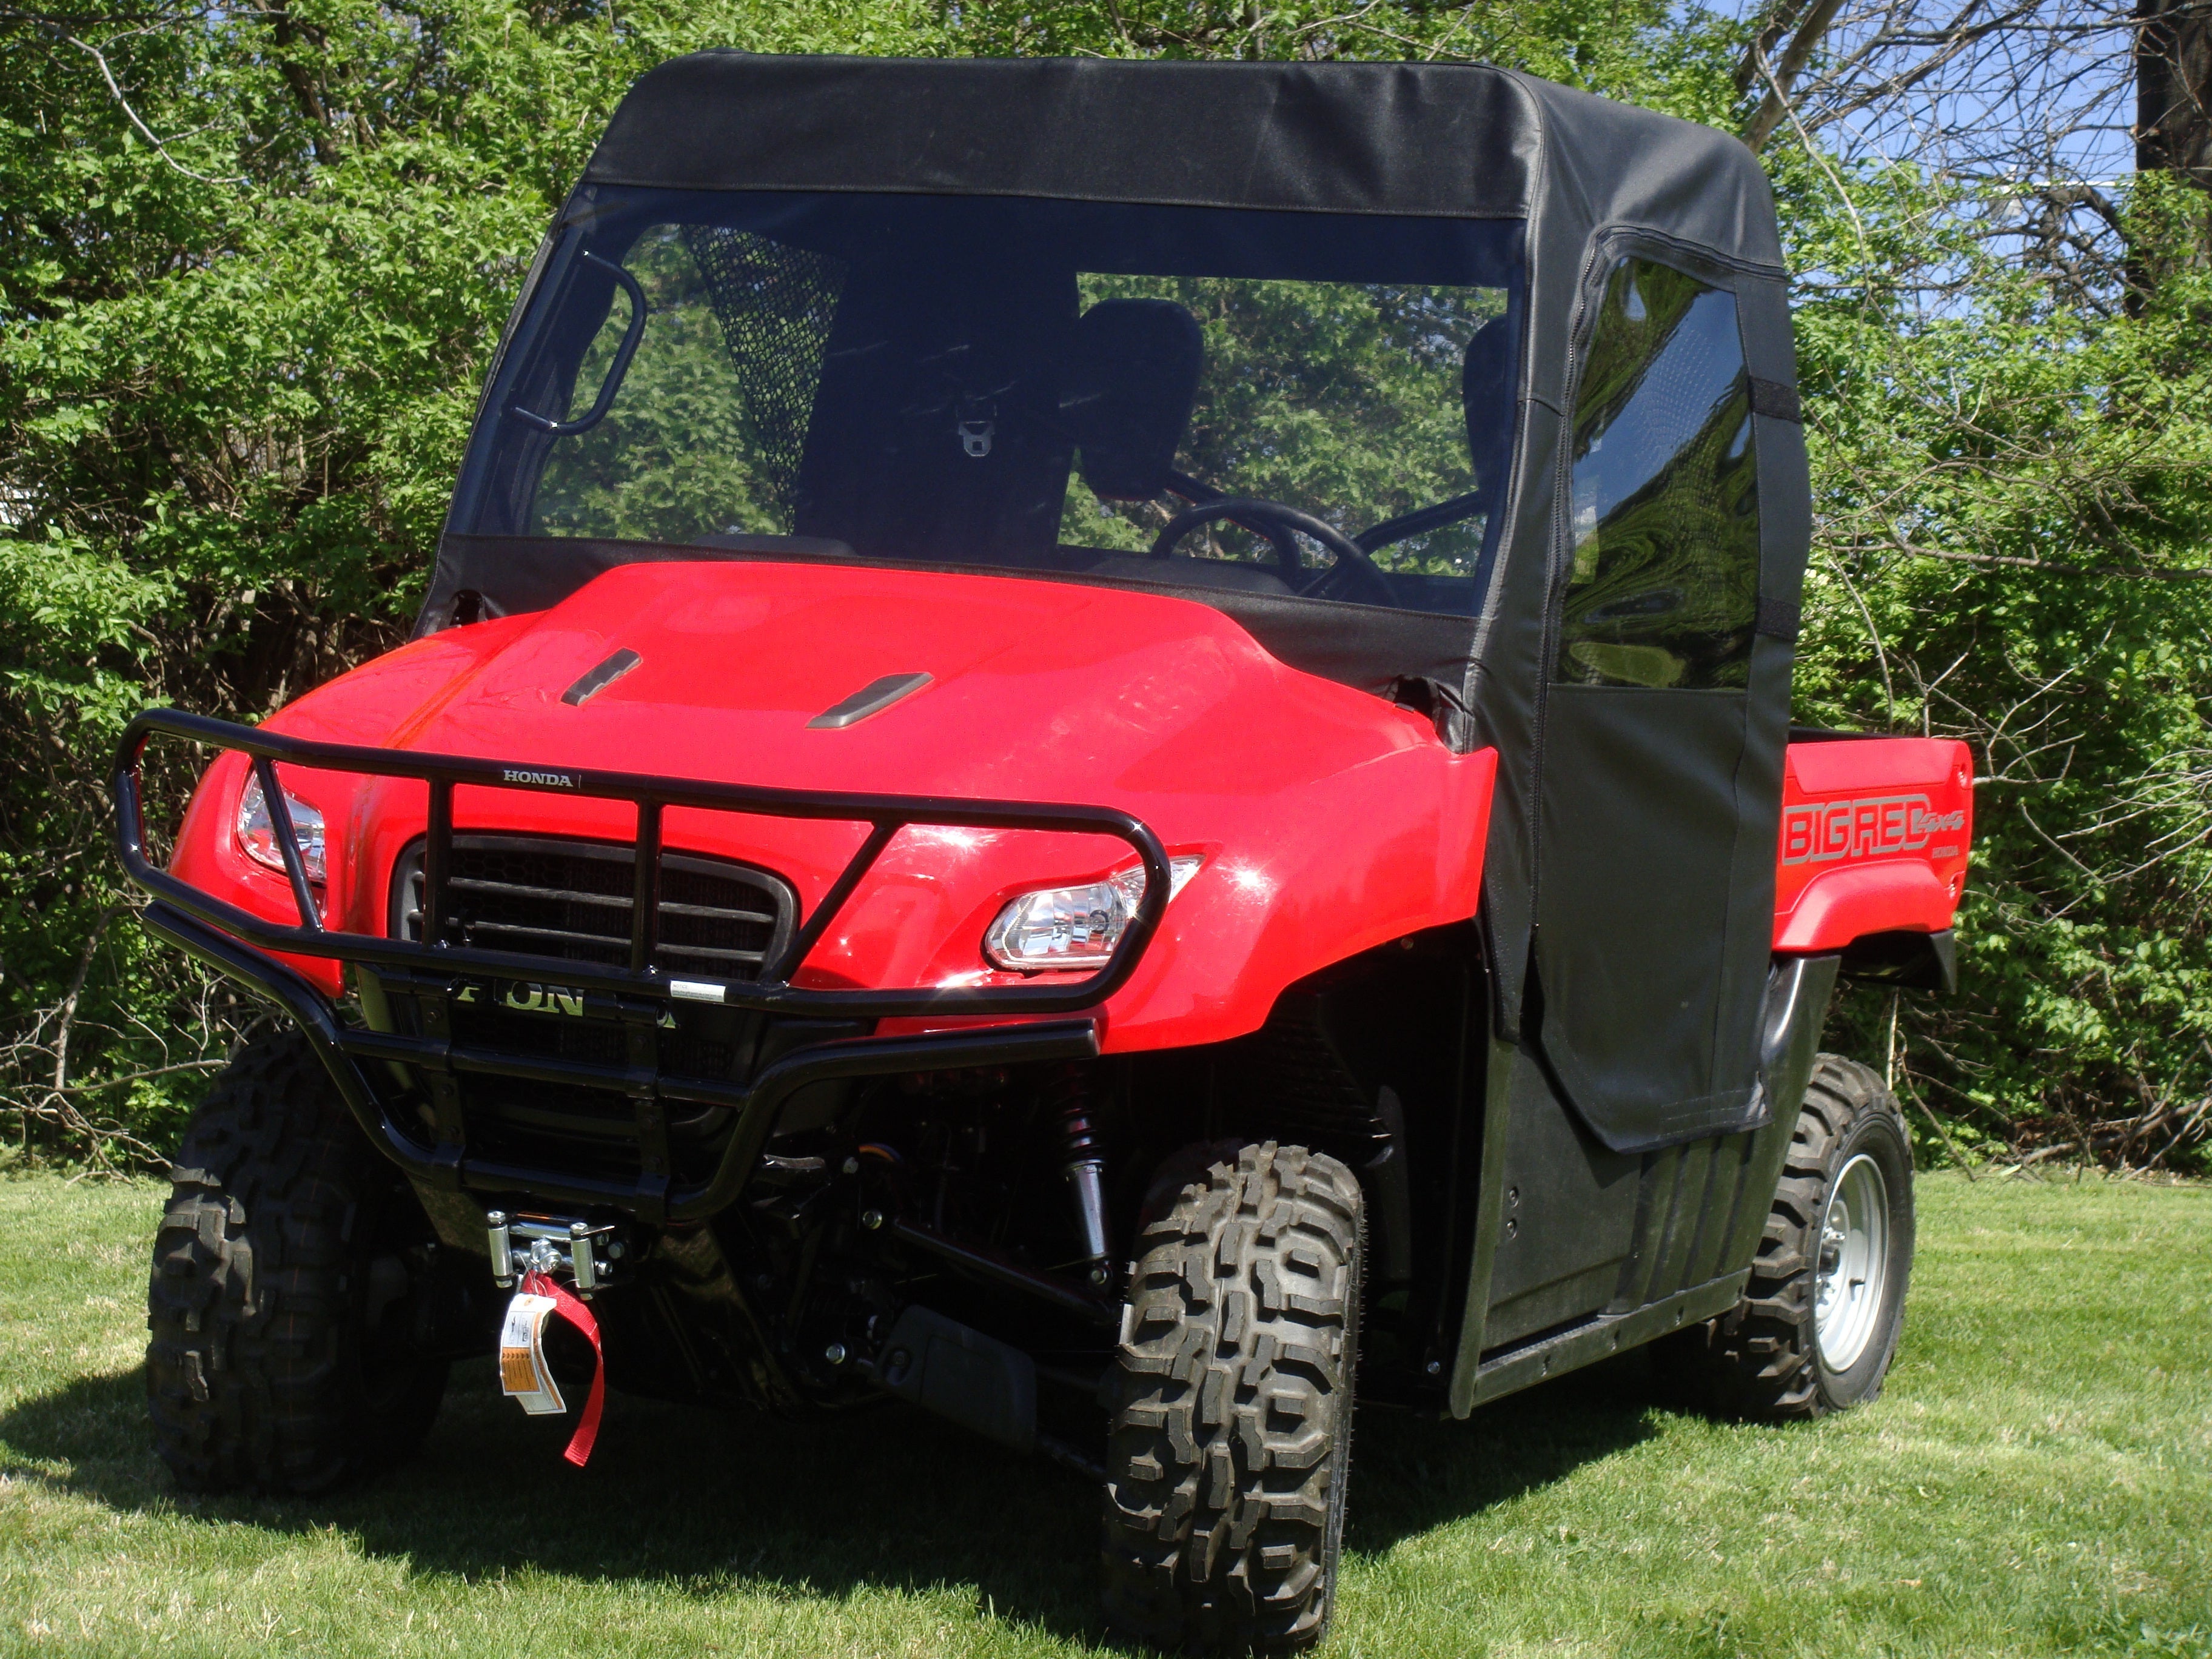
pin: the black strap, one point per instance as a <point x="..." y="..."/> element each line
<point x="1776" y="401"/>
<point x="1777" y="620"/>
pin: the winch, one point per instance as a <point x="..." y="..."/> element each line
<point x="535" y="1249"/>
<point x="590" y="1253"/>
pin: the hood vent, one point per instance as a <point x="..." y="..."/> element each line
<point x="871" y="699"/>
<point x="598" y="679"/>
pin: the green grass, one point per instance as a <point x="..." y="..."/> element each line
<point x="2038" y="1479"/>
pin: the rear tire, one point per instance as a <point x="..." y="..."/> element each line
<point x="1232" y="1403"/>
<point x="1819" y="1319"/>
<point x="285" y="1272"/>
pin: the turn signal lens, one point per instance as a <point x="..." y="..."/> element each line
<point x="1075" y="926"/>
<point x="257" y="835"/>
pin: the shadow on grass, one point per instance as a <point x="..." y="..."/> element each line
<point x="706" y="1503"/>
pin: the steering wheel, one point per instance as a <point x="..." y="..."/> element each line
<point x="1275" y="521"/>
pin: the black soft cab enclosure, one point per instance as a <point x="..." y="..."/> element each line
<point x="959" y="200"/>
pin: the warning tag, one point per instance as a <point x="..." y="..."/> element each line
<point x="522" y="1370"/>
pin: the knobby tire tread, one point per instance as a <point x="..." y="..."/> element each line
<point x="1231" y="1432"/>
<point x="253" y="1373"/>
<point x="1760" y="1360"/>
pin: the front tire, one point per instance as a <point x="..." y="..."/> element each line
<point x="288" y="1263"/>
<point x="1820" y="1317"/>
<point x="1232" y="1425"/>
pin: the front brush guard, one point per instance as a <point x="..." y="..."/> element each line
<point x="233" y="941"/>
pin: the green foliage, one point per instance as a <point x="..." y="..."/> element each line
<point x="237" y="366"/>
<point x="2015" y="509"/>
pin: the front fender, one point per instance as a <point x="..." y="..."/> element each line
<point x="1293" y="883"/>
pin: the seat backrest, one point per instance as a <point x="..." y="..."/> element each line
<point x="935" y="431"/>
<point x="1126" y="397"/>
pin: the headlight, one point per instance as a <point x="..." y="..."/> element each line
<point x="258" y="836"/>
<point x="1075" y="926"/>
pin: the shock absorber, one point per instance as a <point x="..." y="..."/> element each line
<point x="1069" y="1097"/>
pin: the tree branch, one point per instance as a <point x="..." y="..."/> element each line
<point x="124" y="104"/>
<point x="1781" y="76"/>
<point x="76" y="990"/>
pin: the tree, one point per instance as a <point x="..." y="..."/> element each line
<point x="2173" y="90"/>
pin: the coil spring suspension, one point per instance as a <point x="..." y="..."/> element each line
<point x="1069" y="1097"/>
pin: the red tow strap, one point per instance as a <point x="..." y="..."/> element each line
<point x="566" y="1304"/>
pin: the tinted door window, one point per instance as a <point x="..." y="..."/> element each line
<point x="1664" y="588"/>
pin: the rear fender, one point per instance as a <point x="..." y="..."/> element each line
<point x="1873" y="858"/>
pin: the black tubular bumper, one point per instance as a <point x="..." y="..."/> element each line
<point x="234" y="942"/>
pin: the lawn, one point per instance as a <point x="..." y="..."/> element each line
<point x="2038" y="1479"/>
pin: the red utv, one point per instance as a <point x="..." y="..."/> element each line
<point x="1087" y="733"/>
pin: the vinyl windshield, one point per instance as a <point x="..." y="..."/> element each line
<point x="1281" y="403"/>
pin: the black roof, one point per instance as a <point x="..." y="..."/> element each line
<point x="1443" y="140"/>
<point x="1339" y="138"/>
<point x="1458" y="140"/>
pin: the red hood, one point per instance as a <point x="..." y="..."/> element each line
<point x="1041" y="690"/>
<point x="1330" y="820"/>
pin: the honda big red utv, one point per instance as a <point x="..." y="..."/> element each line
<point x="1087" y="735"/>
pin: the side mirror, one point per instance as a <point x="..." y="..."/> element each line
<point x="1132" y="376"/>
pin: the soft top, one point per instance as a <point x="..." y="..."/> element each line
<point x="1446" y="140"/>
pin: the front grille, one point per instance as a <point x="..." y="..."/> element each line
<point x="570" y="901"/>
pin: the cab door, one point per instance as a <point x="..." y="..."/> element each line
<point x="1667" y="708"/>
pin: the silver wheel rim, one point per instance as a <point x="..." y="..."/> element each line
<point x="1853" y="1278"/>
